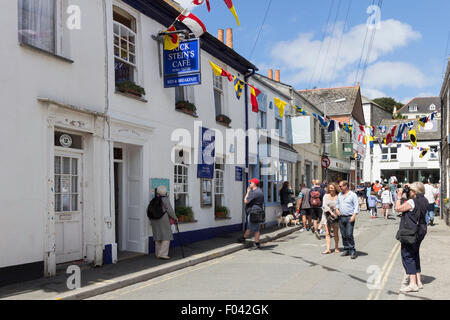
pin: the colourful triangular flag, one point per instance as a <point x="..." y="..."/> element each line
<point x="280" y="104"/>
<point x="218" y="71"/>
<point x="230" y="6"/>
<point x="413" y="137"/>
<point x="254" y="93"/>
<point x="238" y="86"/>
<point x="171" y="41"/>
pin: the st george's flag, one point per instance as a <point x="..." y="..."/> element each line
<point x="192" y="22"/>
<point x="171" y="41"/>
<point x="218" y="71"/>
<point x="200" y="2"/>
<point x="238" y="86"/>
<point x="254" y="93"/>
<point x="280" y="104"/>
<point x="413" y="137"/>
<point x="230" y="6"/>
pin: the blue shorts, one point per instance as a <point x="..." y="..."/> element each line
<point x="253" y="227"/>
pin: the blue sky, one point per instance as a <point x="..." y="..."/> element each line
<point x="406" y="60"/>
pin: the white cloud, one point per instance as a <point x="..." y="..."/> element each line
<point x="300" y="60"/>
<point x="392" y="75"/>
<point x="372" y="93"/>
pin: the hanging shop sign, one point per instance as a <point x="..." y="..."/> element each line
<point x="348" y="149"/>
<point x="182" y="65"/>
<point x="205" y="167"/>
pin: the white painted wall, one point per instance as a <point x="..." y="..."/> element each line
<point x="27" y="133"/>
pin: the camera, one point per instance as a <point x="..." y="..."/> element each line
<point x="407" y="190"/>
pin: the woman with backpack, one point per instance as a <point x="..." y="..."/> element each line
<point x="413" y="219"/>
<point x="162" y="231"/>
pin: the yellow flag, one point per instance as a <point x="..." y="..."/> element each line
<point x="172" y="41"/>
<point x="413" y="137"/>
<point x="280" y="105"/>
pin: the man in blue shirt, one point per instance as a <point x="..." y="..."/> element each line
<point x="347" y="207"/>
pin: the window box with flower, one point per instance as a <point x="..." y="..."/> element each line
<point x="186" y="106"/>
<point x="223" y="119"/>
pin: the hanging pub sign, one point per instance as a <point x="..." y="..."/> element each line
<point x="182" y="65"/>
<point x="206" y="159"/>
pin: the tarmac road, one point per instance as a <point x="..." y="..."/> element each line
<point x="290" y="268"/>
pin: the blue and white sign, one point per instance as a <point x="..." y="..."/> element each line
<point x="238" y="173"/>
<point x="205" y="167"/>
<point x="182" y="65"/>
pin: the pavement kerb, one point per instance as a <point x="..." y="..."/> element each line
<point x="133" y="278"/>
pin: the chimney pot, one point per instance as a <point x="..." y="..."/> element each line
<point x="230" y="38"/>
<point x="220" y="35"/>
<point x="270" y="74"/>
<point x="277" y="75"/>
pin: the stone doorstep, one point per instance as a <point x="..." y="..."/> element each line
<point x="130" y="279"/>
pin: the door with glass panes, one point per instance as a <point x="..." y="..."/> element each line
<point x="68" y="211"/>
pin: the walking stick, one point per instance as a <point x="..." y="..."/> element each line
<point x="179" y="239"/>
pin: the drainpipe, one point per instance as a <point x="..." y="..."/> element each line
<point x="107" y="120"/>
<point x="246" y="78"/>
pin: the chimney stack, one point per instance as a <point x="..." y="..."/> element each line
<point x="277" y="75"/>
<point x="230" y="38"/>
<point x="220" y="35"/>
<point x="270" y="74"/>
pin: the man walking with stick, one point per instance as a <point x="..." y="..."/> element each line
<point x="347" y="207"/>
<point x="254" y="200"/>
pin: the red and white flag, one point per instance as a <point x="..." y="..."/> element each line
<point x="192" y="22"/>
<point x="200" y="2"/>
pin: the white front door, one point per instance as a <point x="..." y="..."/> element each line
<point x="134" y="210"/>
<point x="68" y="209"/>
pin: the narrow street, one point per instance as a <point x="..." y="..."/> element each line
<point x="288" y="268"/>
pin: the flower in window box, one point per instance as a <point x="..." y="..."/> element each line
<point x="221" y="212"/>
<point x="186" y="106"/>
<point x="223" y="119"/>
<point x="184" y="214"/>
<point x="131" y="88"/>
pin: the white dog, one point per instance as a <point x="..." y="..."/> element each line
<point x="285" y="220"/>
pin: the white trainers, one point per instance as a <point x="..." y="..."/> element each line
<point x="406" y="279"/>
<point x="410" y="288"/>
<point x="302" y="230"/>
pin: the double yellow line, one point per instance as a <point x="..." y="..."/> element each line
<point x="385" y="272"/>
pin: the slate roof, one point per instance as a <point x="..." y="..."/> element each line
<point x="378" y="113"/>
<point x="423" y="105"/>
<point x="352" y="105"/>
<point x="421" y="135"/>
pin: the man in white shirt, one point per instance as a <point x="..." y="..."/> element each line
<point x="430" y="195"/>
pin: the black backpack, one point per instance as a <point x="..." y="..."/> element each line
<point x="155" y="209"/>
